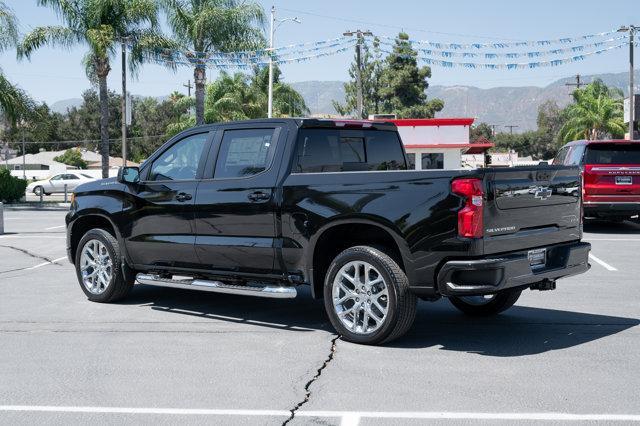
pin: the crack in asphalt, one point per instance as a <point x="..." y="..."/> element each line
<point x="28" y="253"/>
<point x="307" y="389"/>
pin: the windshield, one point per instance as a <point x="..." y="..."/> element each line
<point x="613" y="154"/>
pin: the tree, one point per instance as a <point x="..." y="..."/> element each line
<point x="82" y="123"/>
<point x="15" y="104"/>
<point x="40" y="125"/>
<point x="72" y="157"/>
<point x="595" y="114"/>
<point x="101" y="25"/>
<point x="287" y="102"/>
<point x="371" y="72"/>
<point x="150" y="121"/>
<point x="481" y="131"/>
<point x="208" y="26"/>
<point x="242" y="97"/>
<point x="403" y="83"/>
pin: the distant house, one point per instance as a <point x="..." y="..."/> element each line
<point x="42" y="165"/>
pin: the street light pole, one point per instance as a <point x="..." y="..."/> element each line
<point x="631" y="91"/>
<point x="275" y="23"/>
<point x="270" y="107"/>
<point x="631" y="29"/>
<point x="124" y="102"/>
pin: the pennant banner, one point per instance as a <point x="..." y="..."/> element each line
<point x="165" y="56"/>
<point x="260" y="53"/>
<point x="460" y="46"/>
<point x="513" y="66"/>
<point x="434" y="53"/>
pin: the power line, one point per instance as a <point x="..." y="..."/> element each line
<point x="83" y="141"/>
<point x="397" y="27"/>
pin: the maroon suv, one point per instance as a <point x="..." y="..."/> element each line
<point x="610" y="176"/>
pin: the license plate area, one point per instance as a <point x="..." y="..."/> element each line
<point x="537" y="258"/>
<point x="624" y="180"/>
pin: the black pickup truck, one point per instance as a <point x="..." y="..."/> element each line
<point x="261" y="207"/>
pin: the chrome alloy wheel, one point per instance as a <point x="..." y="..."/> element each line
<point x="478" y="300"/>
<point x="360" y="297"/>
<point x="96" y="266"/>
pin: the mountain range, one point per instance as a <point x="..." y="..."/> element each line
<point x="502" y="106"/>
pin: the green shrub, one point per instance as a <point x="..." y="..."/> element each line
<point x="11" y="188"/>
<point x="72" y="157"/>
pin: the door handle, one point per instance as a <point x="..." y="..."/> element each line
<point x="183" y="196"/>
<point x="259" y="196"/>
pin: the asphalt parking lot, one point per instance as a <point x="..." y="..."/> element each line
<point x="165" y="356"/>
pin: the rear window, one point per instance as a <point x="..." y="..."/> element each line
<point x="335" y="150"/>
<point x="612" y="154"/>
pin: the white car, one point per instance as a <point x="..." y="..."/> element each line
<point x="57" y="183"/>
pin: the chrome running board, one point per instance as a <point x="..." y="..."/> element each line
<point x="274" y="292"/>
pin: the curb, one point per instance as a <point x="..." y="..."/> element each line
<point x="37" y="206"/>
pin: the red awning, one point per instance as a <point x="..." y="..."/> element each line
<point x="432" y="122"/>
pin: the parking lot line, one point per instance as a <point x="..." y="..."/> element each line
<point x="612" y="239"/>
<point x="46" y="263"/>
<point x="32" y="236"/>
<point x="601" y="262"/>
<point x="347" y="417"/>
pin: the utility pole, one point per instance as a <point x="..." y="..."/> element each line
<point x="577" y="84"/>
<point x="510" y="127"/>
<point x="493" y="128"/>
<point x="631" y="29"/>
<point x="124" y="102"/>
<point x="359" y="40"/>
<point x="189" y="86"/>
<point x="275" y="23"/>
<point x="24" y="159"/>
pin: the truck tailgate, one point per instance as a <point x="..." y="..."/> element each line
<point x="529" y="207"/>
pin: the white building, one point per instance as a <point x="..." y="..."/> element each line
<point x="437" y="143"/>
<point x="43" y="166"/>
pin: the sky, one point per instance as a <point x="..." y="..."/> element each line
<point x="55" y="74"/>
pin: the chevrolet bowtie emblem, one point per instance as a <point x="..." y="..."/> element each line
<point x="542" y="192"/>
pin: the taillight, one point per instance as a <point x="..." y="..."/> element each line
<point x="470" y="216"/>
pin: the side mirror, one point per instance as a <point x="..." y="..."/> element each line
<point x="128" y="175"/>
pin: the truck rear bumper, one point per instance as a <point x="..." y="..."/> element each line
<point x="602" y="209"/>
<point x="495" y="273"/>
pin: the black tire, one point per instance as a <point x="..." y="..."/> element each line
<point x="500" y="303"/>
<point x="401" y="305"/>
<point x="38" y="190"/>
<point x="122" y="277"/>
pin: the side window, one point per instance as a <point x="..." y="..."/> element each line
<point x="57" y="177"/>
<point x="411" y="159"/>
<point x="70" y="177"/>
<point x="244" y="153"/>
<point x="562" y="154"/>
<point x="333" y="150"/>
<point x="180" y="161"/>
<point x="384" y="151"/>
<point x="574" y="158"/>
<point x="433" y="160"/>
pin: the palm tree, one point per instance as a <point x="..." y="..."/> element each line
<point x="595" y="114"/>
<point x="101" y="25"/>
<point x="287" y="102"/>
<point x="14" y="102"/>
<point x="230" y="98"/>
<point x="209" y="26"/>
